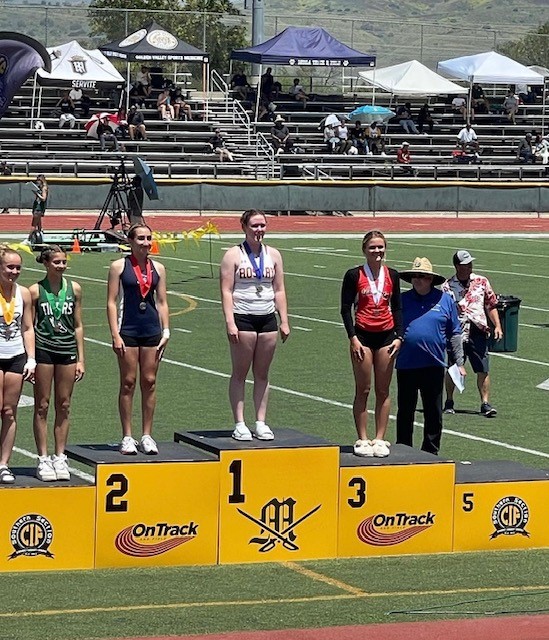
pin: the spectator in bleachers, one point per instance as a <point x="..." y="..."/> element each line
<point x="143" y="81"/>
<point x="67" y="111"/>
<point x="525" y="93"/>
<point x="85" y="105"/>
<point x="358" y="138"/>
<point x="75" y="94"/>
<point x="298" y="92"/>
<point x="375" y="140"/>
<point x="345" y="145"/>
<point x="541" y="148"/>
<point x="239" y="84"/>
<point x="510" y="105"/>
<point x="218" y="145"/>
<point x="331" y="138"/>
<point x="424" y="117"/>
<point x="136" y="123"/>
<point x="121" y="131"/>
<point x="106" y="134"/>
<point x="404" y="116"/>
<point x="480" y="101"/>
<point x="280" y="136"/>
<point x="404" y="159"/>
<point x="467" y="140"/>
<point x="181" y="109"/>
<point x="525" y="150"/>
<point x="459" y="105"/>
<point x="269" y="87"/>
<point x="164" y="106"/>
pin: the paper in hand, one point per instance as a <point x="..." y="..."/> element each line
<point x="457" y="378"/>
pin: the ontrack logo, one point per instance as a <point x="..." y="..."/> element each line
<point x="384" y="530"/>
<point x="145" y="541"/>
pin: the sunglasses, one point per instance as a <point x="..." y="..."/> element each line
<point x="421" y="276"/>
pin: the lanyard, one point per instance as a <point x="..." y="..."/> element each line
<point x="259" y="269"/>
<point x="145" y="283"/>
<point x="376" y="291"/>
<point x="8" y="310"/>
<point x="56" y="302"/>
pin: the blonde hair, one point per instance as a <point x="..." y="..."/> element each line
<point x="5" y="249"/>
<point x="374" y="233"/>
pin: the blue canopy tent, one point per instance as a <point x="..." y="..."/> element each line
<point x="303" y="46"/>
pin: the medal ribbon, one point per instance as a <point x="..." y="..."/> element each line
<point x="8" y="310"/>
<point x="56" y="302"/>
<point x="144" y="287"/>
<point x="376" y="290"/>
<point x="259" y="269"/>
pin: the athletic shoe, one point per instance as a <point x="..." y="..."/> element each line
<point x="148" y="446"/>
<point x="449" y="407"/>
<point x="128" y="446"/>
<point x="241" y="432"/>
<point x="363" y="448"/>
<point x="488" y="410"/>
<point x="45" y="470"/>
<point x="6" y="476"/>
<point x="380" y="448"/>
<point x="61" y="467"/>
<point x="263" y="432"/>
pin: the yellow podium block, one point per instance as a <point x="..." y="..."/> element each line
<point x="46" y="526"/>
<point x="402" y="504"/>
<point x="154" y="510"/>
<point x="278" y="499"/>
<point x="500" y="505"/>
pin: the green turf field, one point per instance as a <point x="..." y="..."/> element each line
<point x="312" y="389"/>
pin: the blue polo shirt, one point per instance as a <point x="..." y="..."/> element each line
<point x="429" y="323"/>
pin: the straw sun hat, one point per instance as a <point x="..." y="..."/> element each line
<point x="422" y="266"/>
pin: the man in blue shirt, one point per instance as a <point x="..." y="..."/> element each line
<point x="430" y="324"/>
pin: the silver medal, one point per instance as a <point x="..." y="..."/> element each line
<point x="142" y="305"/>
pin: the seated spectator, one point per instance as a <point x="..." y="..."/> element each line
<point x="358" y="138"/>
<point x="217" y="143"/>
<point x="525" y="93"/>
<point x="331" y="138"/>
<point x="67" y="111"/>
<point x="143" y="81"/>
<point x="121" y="132"/>
<point x="239" y="84"/>
<point x="510" y="105"/>
<point x="541" y="148"/>
<point x="181" y="109"/>
<point x="424" y="117"/>
<point x="280" y="136"/>
<point x="480" y="102"/>
<point x="345" y="145"/>
<point x="75" y="94"/>
<point x="467" y="140"/>
<point x="106" y="134"/>
<point x="136" y="123"/>
<point x="163" y="105"/>
<point x="525" y="150"/>
<point x="404" y="158"/>
<point x="298" y="93"/>
<point x="375" y="140"/>
<point x="266" y="110"/>
<point x="404" y="116"/>
<point x="459" y="105"/>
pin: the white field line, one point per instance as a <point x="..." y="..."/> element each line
<point x="336" y="403"/>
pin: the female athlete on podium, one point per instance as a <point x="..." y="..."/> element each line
<point x="140" y="332"/>
<point x="252" y="289"/>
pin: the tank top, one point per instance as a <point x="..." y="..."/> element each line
<point x="11" y="340"/>
<point x="252" y="296"/>
<point x="372" y="316"/>
<point x="132" y="320"/>
<point x="55" y="334"/>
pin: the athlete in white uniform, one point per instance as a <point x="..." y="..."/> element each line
<point x="252" y="290"/>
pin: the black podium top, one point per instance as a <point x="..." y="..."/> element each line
<point x="25" y="477"/>
<point x="94" y="454"/>
<point x="400" y="454"/>
<point x="496" y="471"/>
<point x="216" y="441"/>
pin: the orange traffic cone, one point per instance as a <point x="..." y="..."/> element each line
<point x="155" y="248"/>
<point x="76" y="246"/>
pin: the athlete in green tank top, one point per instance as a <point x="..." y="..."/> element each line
<point x="54" y="320"/>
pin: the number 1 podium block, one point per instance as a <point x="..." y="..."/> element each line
<point x="278" y="499"/>
<point x="395" y="505"/>
<point x="500" y="505"/>
<point x="46" y="526"/>
<point x="154" y="510"/>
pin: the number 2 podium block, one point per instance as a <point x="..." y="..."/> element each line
<point x="278" y="499"/>
<point x="500" y="505"/>
<point x="154" y="510"/>
<point x="395" y="505"/>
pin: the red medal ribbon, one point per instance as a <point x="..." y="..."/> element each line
<point x="144" y="287"/>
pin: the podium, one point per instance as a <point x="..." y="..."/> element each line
<point x="277" y="498"/>
<point x="153" y="510"/>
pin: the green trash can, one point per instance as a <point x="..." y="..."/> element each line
<point x="508" y="310"/>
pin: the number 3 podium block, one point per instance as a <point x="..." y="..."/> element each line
<point x="278" y="499"/>
<point x="46" y="526"/>
<point x="395" y="505"/>
<point x="500" y="505"/>
<point x="154" y="510"/>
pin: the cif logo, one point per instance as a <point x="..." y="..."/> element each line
<point x="510" y="516"/>
<point x="145" y="541"/>
<point x="31" y="535"/>
<point x="384" y="530"/>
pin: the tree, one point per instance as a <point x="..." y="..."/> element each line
<point x="533" y="48"/>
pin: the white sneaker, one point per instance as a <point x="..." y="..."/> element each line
<point x="6" y="475"/>
<point x="45" y="470"/>
<point x="148" y="446"/>
<point x="363" y="448"/>
<point x="241" y="432"/>
<point x="61" y="467"/>
<point x="128" y="446"/>
<point x="381" y="448"/>
<point x="263" y="432"/>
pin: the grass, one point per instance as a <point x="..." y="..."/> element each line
<point x="314" y="362"/>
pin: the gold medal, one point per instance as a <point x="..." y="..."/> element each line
<point x="8" y="309"/>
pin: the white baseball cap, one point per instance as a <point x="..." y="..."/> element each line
<point x="462" y="257"/>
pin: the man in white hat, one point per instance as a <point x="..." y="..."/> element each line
<point x="280" y="136"/>
<point x="476" y="303"/>
<point x="430" y="323"/>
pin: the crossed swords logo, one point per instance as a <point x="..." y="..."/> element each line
<point x="286" y="536"/>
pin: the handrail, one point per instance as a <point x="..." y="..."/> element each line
<point x="263" y="146"/>
<point x="240" y="116"/>
<point x="217" y="82"/>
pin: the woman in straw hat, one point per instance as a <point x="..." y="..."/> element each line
<point x="430" y="324"/>
<point x="375" y="338"/>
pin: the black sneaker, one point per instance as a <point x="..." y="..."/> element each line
<point x="488" y="410"/>
<point x="449" y="407"/>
